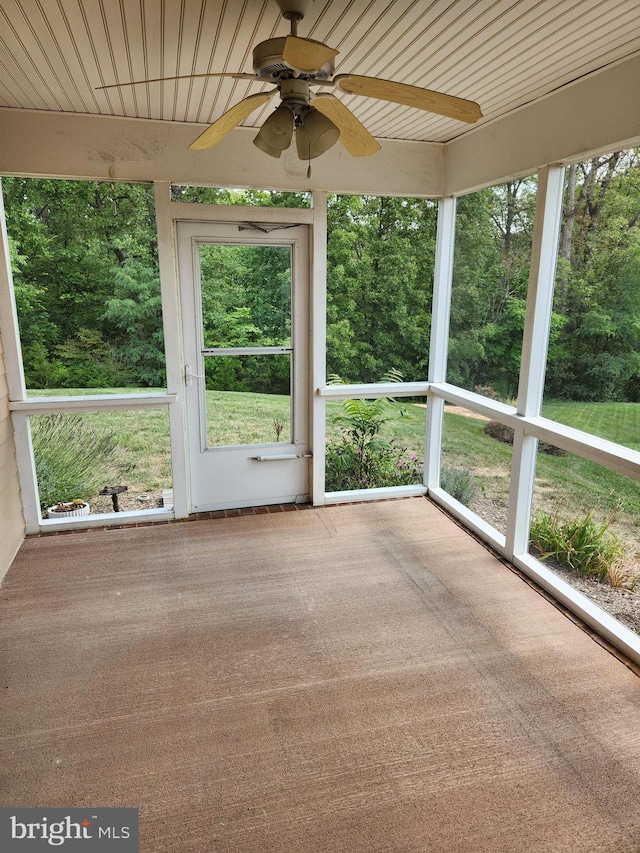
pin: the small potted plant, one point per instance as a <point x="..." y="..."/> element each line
<point x="68" y="509"/>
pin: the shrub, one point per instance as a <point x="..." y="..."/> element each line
<point x="503" y="433"/>
<point x="485" y="390"/>
<point x="379" y="464"/>
<point x="73" y="459"/>
<point x="582" y="544"/>
<point x="499" y="431"/>
<point x="460" y="484"/>
<point x="362" y="458"/>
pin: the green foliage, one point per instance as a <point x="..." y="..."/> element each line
<point x="380" y="259"/>
<point x="460" y="484"/>
<point x="362" y="458"/>
<point x="380" y="464"/>
<point x="582" y="544"/>
<point x="362" y="420"/>
<point x="133" y="316"/>
<point x="88" y="361"/>
<point x="490" y="274"/>
<point x="73" y="459"/>
<point x="246" y="301"/>
<point x="84" y="260"/>
<point x="594" y="356"/>
<point x="258" y="198"/>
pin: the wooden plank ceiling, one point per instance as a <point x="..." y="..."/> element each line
<point x="54" y="53"/>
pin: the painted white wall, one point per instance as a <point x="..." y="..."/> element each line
<point x="34" y="143"/>
<point x="597" y="113"/>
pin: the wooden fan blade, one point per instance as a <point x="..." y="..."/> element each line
<point x="238" y="76"/>
<point x="409" y="96"/>
<point x="227" y="121"/>
<point x="306" y="54"/>
<point x="353" y="134"/>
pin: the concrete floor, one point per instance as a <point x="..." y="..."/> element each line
<point x="353" y="678"/>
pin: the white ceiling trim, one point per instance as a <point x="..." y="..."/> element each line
<point x="595" y="114"/>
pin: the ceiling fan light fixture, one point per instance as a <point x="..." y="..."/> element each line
<point x="277" y="130"/>
<point x="260" y="143"/>
<point x="276" y="133"/>
<point x="315" y="135"/>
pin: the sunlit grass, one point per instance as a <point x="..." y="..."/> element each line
<point x="143" y="457"/>
<point x="235" y="417"/>
<point x="619" y="422"/>
<point x="239" y="418"/>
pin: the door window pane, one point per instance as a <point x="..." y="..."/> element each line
<point x="248" y="399"/>
<point x="246" y="295"/>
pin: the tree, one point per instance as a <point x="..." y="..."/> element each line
<point x="78" y="241"/>
<point x="380" y="258"/>
<point x="598" y="292"/>
<point x="491" y="268"/>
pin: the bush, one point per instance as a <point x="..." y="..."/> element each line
<point x="485" y="391"/>
<point x="499" y="431"/>
<point x="460" y="484"/>
<point x="362" y="459"/>
<point x="582" y="544"/>
<point x="73" y="459"/>
<point x="377" y="465"/>
<point x="503" y="433"/>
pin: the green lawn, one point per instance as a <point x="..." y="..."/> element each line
<point x="143" y="458"/>
<point x="619" y="422"/>
<point x="569" y="481"/>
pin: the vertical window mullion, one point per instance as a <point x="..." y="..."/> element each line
<point x="544" y="252"/>
<point x="318" y="310"/>
<point x="439" y="338"/>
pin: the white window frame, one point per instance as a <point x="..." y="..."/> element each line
<point x="525" y="419"/>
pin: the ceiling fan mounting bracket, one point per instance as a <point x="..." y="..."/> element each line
<point x="293" y="10"/>
<point x="294" y="94"/>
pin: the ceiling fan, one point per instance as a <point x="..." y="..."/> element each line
<point x="297" y="65"/>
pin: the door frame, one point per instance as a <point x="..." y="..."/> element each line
<point x="168" y="214"/>
<point x="234" y="476"/>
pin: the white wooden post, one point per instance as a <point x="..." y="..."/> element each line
<point x="439" y="339"/>
<point x="172" y="347"/>
<point x="318" y="323"/>
<point x="9" y="316"/>
<point x="544" y="252"/>
<point x="15" y="382"/>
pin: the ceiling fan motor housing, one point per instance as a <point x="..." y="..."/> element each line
<point x="268" y="62"/>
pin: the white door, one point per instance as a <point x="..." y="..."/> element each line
<point x="245" y="323"/>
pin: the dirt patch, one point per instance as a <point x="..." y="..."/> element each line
<point x="460" y="410"/>
<point x="622" y="604"/>
<point x="128" y="502"/>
